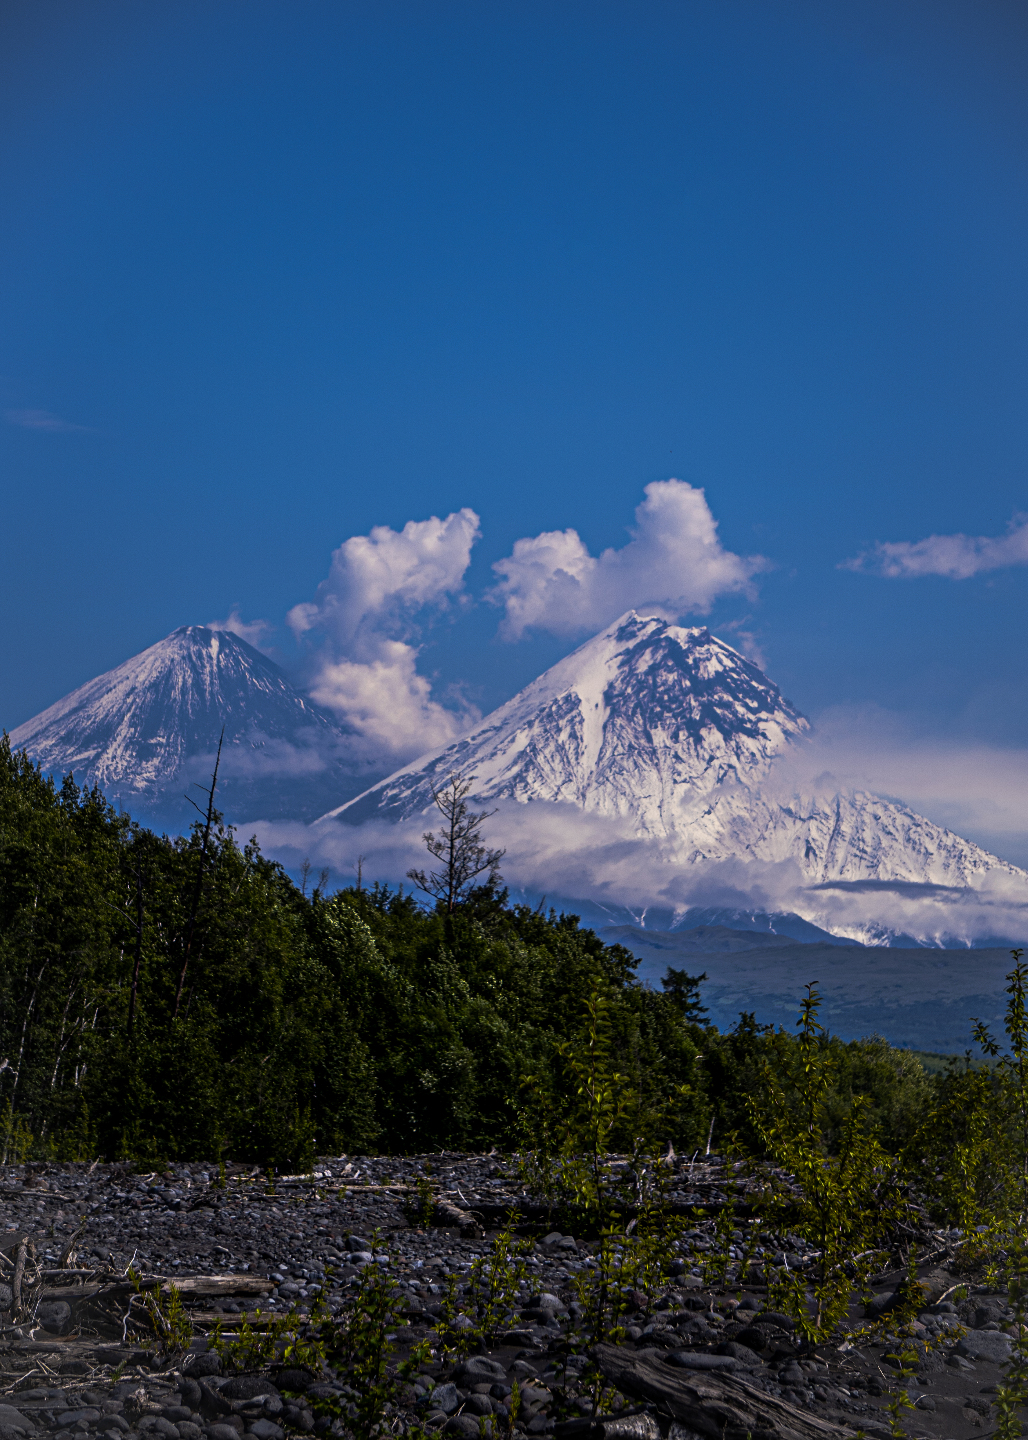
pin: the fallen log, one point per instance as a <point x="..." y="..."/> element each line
<point x="720" y="1406"/>
<point x="450" y="1217"/>
<point x="72" y="1274"/>
<point x="118" y="1285"/>
<point x="219" y="1285"/>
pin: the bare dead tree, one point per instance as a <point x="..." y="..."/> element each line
<point x="139" y="951"/>
<point x="136" y="924"/>
<point x="194" y="907"/>
<point x="458" y="847"/>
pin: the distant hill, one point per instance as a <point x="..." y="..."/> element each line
<point x="921" y="999"/>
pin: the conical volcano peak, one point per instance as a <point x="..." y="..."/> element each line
<point x="150" y="727"/>
<point x="645" y="717"/>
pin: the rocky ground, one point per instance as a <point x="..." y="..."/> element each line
<point x="78" y="1354"/>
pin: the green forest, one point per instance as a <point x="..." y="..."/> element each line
<point x="182" y="998"/>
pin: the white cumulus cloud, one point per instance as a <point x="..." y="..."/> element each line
<point x="673" y="563"/>
<point x="363" y="619"/>
<point x="385" y="700"/>
<point x="957" y="557"/>
<point x="252" y="631"/>
<point x="389" y="573"/>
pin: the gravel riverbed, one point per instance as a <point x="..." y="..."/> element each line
<point x="694" y="1362"/>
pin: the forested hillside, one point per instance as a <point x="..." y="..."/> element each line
<point x="178" y="998"/>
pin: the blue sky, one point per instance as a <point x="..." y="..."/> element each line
<point x="273" y="275"/>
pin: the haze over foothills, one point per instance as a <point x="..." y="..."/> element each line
<point x="414" y="347"/>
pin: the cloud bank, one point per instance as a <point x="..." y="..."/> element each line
<point x="673" y="563"/>
<point x="957" y="557"/>
<point x="585" y="859"/>
<point x="362" y="625"/>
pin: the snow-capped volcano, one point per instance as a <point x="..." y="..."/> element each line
<point x="148" y="729"/>
<point x="646" y="721"/>
<point x="684" y="743"/>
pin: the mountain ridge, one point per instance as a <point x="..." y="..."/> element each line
<point x="619" y="674"/>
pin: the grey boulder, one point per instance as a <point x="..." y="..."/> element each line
<point x="477" y="1369"/>
<point x="14" y="1419"/>
<point x="54" y="1315"/>
<point x="444" y="1398"/>
<point x="985" y="1345"/>
<point x="247" y="1387"/>
<point x="207" y="1363"/>
<point x="267" y="1430"/>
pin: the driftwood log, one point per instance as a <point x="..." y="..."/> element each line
<point x="186" y="1285"/>
<point x="722" y="1407"/>
<point x="451" y="1217"/>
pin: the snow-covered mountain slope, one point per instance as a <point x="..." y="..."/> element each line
<point x="647" y="722"/>
<point x="830" y="837"/>
<point x="677" y="737"/>
<point x="148" y="729"/>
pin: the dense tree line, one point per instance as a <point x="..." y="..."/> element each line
<point x="182" y="997"/>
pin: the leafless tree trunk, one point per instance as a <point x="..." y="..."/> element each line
<point x="198" y="887"/>
<point x="139" y="952"/>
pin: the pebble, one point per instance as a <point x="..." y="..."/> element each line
<point x="445" y="1398"/>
